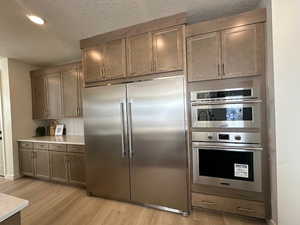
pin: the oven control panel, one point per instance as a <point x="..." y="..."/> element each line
<point x="227" y="137"/>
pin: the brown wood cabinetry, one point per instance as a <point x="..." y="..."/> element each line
<point x="56" y="162"/>
<point x="204" y="57"/>
<point x="38" y="97"/>
<point x="26" y="161"/>
<point x="230" y="53"/>
<point x="236" y="206"/>
<point x="56" y="92"/>
<point x="41" y="164"/>
<point x="168" y="50"/>
<point x="140" y="55"/>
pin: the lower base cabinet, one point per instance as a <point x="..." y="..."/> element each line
<point x="230" y="205"/>
<point x="60" y="163"/>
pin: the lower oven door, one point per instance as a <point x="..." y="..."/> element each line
<point x="229" y="168"/>
<point x="233" y="115"/>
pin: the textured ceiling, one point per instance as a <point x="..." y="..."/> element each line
<point x="68" y="21"/>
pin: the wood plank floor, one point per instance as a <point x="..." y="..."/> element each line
<point x="56" y="204"/>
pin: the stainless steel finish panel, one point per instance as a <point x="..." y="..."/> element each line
<point x="255" y="123"/>
<point x="254" y="95"/>
<point x="233" y="137"/>
<point x="159" y="162"/>
<point x="235" y="184"/>
<point x="105" y="138"/>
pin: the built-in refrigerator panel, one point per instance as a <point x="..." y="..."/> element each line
<point x="105" y="137"/>
<point x="156" y="117"/>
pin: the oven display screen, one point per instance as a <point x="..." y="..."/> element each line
<point x="225" y="114"/>
<point x="226" y="164"/>
<point x="224" y="94"/>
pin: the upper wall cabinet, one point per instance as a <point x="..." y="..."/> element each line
<point x="242" y="51"/>
<point x="227" y="47"/>
<point x="204" y="57"/>
<point x="105" y="62"/>
<point x="56" y="92"/>
<point x="140" y="55"/>
<point x="168" y="50"/>
<point x="38" y="97"/>
<point x="236" y="52"/>
<point x="53" y="96"/>
<point x="150" y="48"/>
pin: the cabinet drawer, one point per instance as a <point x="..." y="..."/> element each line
<point x="76" y="148"/>
<point x="26" y="144"/>
<point x="236" y="206"/>
<point x="58" y="147"/>
<point x="43" y="146"/>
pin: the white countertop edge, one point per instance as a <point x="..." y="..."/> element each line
<point x="52" y="142"/>
<point x="16" y="210"/>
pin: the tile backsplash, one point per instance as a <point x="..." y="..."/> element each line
<point x="74" y="126"/>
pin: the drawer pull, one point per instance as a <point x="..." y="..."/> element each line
<point x="245" y="210"/>
<point x="208" y="202"/>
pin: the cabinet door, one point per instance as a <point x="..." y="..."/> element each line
<point x="26" y="162"/>
<point x="59" y="166"/>
<point x="114" y="60"/>
<point x="54" y="97"/>
<point x="42" y="164"/>
<point x="168" y="50"/>
<point x="76" y="168"/>
<point x="242" y="51"/>
<point x="139" y="55"/>
<point x="203" y="57"/>
<point x="38" y="97"/>
<point x="70" y="82"/>
<point x="93" y="64"/>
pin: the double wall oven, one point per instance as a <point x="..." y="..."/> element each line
<point x="226" y="141"/>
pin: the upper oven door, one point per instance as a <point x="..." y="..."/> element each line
<point x="234" y="115"/>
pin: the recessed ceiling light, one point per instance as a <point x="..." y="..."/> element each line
<point x="36" y="19"/>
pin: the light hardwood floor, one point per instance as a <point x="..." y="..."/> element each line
<point x="56" y="204"/>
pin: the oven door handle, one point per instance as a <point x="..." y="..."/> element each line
<point x="250" y="101"/>
<point x="240" y="149"/>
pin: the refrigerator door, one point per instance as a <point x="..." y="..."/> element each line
<point x="157" y="140"/>
<point x="106" y="140"/>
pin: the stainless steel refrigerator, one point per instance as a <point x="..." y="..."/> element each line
<point x="135" y="135"/>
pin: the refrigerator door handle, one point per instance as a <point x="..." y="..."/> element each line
<point x="122" y="111"/>
<point x="130" y="129"/>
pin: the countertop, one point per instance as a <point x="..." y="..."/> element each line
<point x="10" y="205"/>
<point x="71" y="140"/>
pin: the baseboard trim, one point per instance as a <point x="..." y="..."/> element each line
<point x="12" y="177"/>
<point x="271" y="222"/>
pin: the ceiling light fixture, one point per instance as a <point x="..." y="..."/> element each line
<point x="36" y="19"/>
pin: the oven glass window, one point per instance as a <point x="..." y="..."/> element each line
<point x="224" y="94"/>
<point x="225" y="114"/>
<point x="226" y="164"/>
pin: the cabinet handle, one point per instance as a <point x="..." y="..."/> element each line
<point x="208" y="202"/>
<point x="245" y="210"/>
<point x="219" y="69"/>
<point x="223" y="69"/>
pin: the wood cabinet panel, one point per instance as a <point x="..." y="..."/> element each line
<point x="58" y="147"/>
<point x="204" y="57"/>
<point x="76" y="148"/>
<point x="76" y="168"/>
<point x="140" y="54"/>
<point x="241" y="51"/>
<point x="26" y="162"/>
<point x="59" y="167"/>
<point x="93" y="63"/>
<point x="54" y="97"/>
<point x="237" y="206"/>
<point x="42" y="164"/>
<point x="114" y="59"/>
<point x="70" y="93"/>
<point x="38" y="97"/>
<point x="26" y="145"/>
<point x="41" y="146"/>
<point x="168" y="49"/>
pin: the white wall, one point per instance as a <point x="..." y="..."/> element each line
<point x="74" y="126"/>
<point x="17" y="110"/>
<point x="286" y="47"/>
